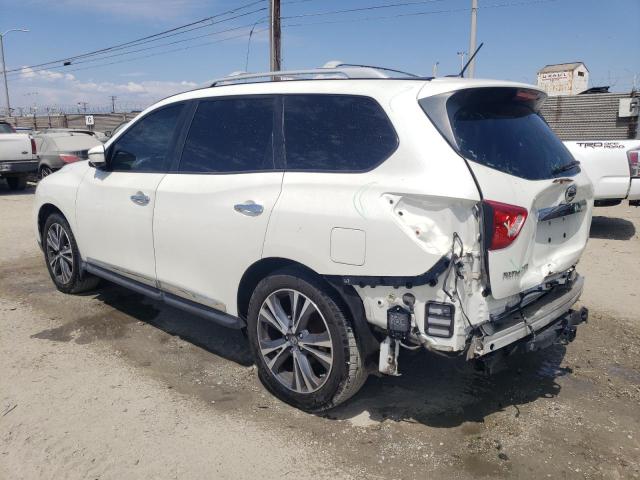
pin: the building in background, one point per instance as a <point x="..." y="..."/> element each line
<point x="564" y="78"/>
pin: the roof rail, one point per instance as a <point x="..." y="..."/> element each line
<point x="339" y="70"/>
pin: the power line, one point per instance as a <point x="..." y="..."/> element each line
<point x="362" y="9"/>
<point x="155" y="37"/>
<point x="130" y="52"/>
<point x="294" y="25"/>
<point x="414" y="14"/>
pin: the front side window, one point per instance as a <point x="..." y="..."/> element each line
<point x="336" y="133"/>
<point x="230" y="135"/>
<point x="145" y="147"/>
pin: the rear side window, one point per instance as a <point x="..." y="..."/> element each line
<point x="336" y="133"/>
<point x="501" y="129"/>
<point x="145" y="146"/>
<point x="230" y="135"/>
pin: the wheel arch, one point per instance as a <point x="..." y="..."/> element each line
<point x="44" y="212"/>
<point x="345" y="295"/>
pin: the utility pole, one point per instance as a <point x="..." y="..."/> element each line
<point x="274" y="35"/>
<point x="113" y="103"/>
<point x="461" y="54"/>
<point x="472" y="37"/>
<point x="4" y="66"/>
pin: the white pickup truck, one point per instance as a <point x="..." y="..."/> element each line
<point x="18" y="157"/>
<point x="612" y="166"/>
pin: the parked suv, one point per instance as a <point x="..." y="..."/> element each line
<point x="336" y="220"/>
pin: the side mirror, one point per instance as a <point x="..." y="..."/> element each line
<point x="97" y="158"/>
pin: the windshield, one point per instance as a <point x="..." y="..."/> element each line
<point x="500" y="128"/>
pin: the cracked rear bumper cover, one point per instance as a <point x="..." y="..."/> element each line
<point x="546" y="324"/>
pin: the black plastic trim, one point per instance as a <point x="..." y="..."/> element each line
<point x="429" y="277"/>
<point x="203" y="311"/>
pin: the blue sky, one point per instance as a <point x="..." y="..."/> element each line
<point x="519" y="39"/>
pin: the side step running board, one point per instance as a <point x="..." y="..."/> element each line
<point x="194" y="308"/>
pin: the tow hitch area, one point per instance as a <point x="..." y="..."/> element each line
<point x="562" y="331"/>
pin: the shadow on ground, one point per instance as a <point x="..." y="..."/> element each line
<point x="612" y="228"/>
<point x="433" y="390"/>
<point x="223" y="342"/>
<point x="6" y="191"/>
<point x="446" y="392"/>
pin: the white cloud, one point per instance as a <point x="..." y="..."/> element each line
<point x="52" y="88"/>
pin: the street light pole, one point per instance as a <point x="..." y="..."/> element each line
<point x="4" y="66"/>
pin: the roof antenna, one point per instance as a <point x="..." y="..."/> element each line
<point x="466" y="65"/>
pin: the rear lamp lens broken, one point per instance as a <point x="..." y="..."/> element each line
<point x="439" y="319"/>
<point x="506" y="223"/>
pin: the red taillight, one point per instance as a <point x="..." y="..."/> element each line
<point x="33" y="147"/>
<point x="506" y="223"/>
<point x="634" y="166"/>
<point x="66" y="158"/>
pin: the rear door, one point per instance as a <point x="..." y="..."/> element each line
<point x="536" y="201"/>
<point x="212" y="211"/>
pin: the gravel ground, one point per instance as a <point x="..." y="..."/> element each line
<point x="113" y="385"/>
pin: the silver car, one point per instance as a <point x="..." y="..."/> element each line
<point x="58" y="148"/>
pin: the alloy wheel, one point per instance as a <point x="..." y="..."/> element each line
<point x="45" y="172"/>
<point x="294" y="341"/>
<point x="59" y="253"/>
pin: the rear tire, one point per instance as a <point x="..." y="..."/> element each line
<point x="63" y="257"/>
<point x="314" y="362"/>
<point x="17" y="183"/>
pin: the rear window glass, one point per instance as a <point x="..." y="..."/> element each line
<point x="75" y="143"/>
<point x="5" y="128"/>
<point x="500" y="128"/>
<point x="336" y="133"/>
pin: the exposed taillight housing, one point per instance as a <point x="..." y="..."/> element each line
<point x="67" y="158"/>
<point x="504" y="223"/>
<point x="33" y="147"/>
<point x="634" y="166"/>
<point x="439" y="319"/>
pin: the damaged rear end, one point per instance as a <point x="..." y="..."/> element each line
<point x="516" y="286"/>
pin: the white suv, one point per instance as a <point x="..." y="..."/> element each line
<point x="336" y="220"/>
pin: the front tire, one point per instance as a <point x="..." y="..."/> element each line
<point x="302" y="341"/>
<point x="63" y="257"/>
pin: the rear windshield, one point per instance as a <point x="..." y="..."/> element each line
<point x="501" y="129"/>
<point x="75" y="143"/>
<point x="5" y="128"/>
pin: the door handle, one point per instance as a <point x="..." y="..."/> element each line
<point x="249" y="208"/>
<point x="139" y="198"/>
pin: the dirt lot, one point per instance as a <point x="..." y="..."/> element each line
<point x="112" y="385"/>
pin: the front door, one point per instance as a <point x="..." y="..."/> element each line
<point x="115" y="205"/>
<point x="212" y="213"/>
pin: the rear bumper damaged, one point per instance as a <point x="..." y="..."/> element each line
<point x="539" y="325"/>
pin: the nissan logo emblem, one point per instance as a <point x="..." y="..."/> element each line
<point x="570" y="193"/>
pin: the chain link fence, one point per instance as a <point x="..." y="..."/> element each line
<point x="103" y="122"/>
